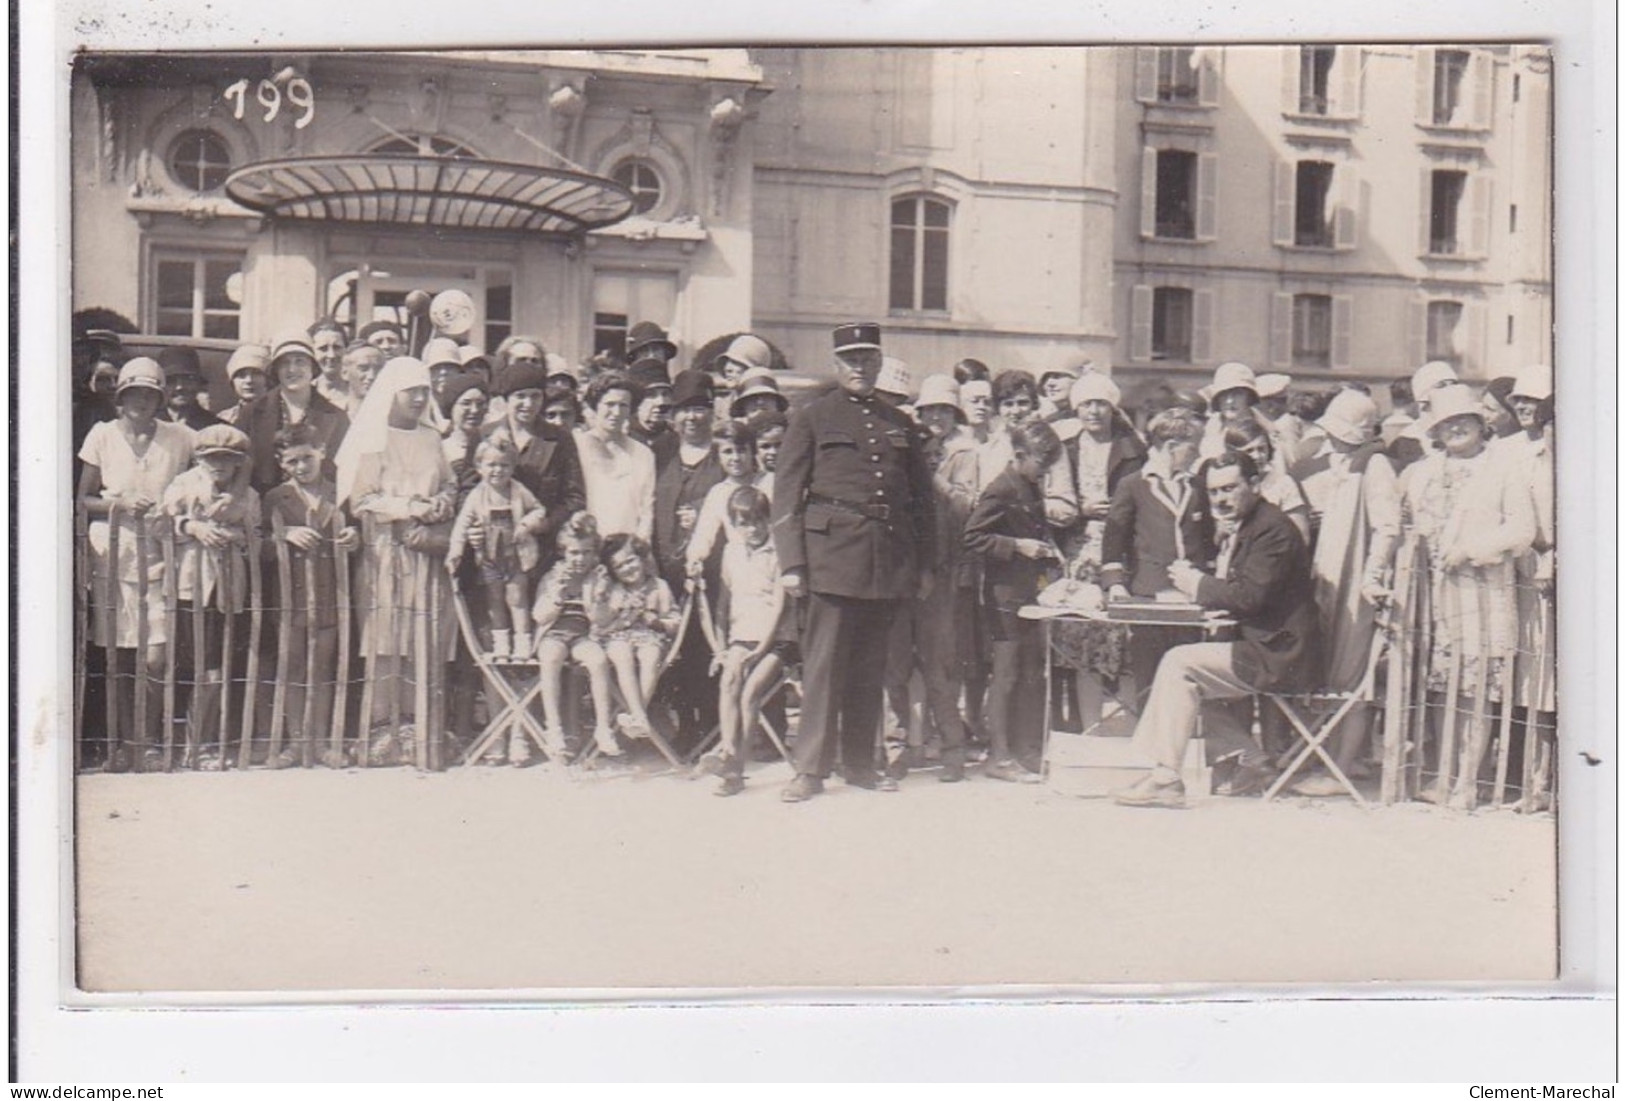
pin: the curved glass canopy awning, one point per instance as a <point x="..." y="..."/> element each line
<point x="429" y="191"/>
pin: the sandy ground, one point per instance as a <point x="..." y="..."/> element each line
<point x="500" y="879"/>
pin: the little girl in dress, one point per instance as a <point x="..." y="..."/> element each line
<point x="634" y="621"/>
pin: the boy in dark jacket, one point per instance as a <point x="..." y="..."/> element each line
<point x="1007" y="530"/>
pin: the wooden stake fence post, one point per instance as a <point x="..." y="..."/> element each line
<point x="256" y="598"/>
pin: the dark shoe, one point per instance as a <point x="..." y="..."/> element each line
<point x="729" y="785"/>
<point x="801" y="789"/>
<point x="952" y="772"/>
<point x="868" y="781"/>
<point x="1010" y="771"/>
<point x="1248" y="780"/>
<point x="1148" y="792"/>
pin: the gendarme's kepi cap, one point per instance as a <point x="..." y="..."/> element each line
<point x="857" y="336"/>
<point x="248" y="357"/>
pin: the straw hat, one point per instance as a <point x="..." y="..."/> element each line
<point x="1094" y="386"/>
<point x="141" y="372"/>
<point x="441" y="352"/>
<point x="1454" y="401"/>
<point x="1273" y="384"/>
<point x="1233" y="376"/>
<point x="894" y="377"/>
<point x="1431" y="376"/>
<point x="754" y="383"/>
<point x="1351" y="417"/>
<point x="248" y="357"/>
<point x="939" y="390"/>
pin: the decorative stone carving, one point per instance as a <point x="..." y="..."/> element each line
<point x="565" y="105"/>
<point x="146" y="185"/>
<point x="726" y="117"/>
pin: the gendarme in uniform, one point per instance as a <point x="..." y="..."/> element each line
<point x="852" y="519"/>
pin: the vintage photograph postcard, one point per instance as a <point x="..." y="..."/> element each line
<point x="617" y="522"/>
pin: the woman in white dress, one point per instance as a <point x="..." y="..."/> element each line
<point x="394" y="478"/>
<point x="128" y="463"/>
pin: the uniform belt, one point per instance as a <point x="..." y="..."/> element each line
<point x="872" y="512"/>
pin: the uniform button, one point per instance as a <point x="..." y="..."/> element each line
<point x="874" y="458"/>
<point x="880" y="493"/>
<point x="880" y="474"/>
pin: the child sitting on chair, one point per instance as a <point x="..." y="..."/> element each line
<point x="760" y="637"/>
<point x="214" y="509"/>
<point x="314" y="530"/>
<point x="571" y="587"/>
<point x="499" y="519"/>
<point x="634" y="621"/>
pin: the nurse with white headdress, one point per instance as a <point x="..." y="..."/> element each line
<point x="394" y="478"/>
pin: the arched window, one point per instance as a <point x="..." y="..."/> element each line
<point x="919" y="253"/>
<point x="643" y="181"/>
<point x="423" y="145"/>
<point x="199" y="160"/>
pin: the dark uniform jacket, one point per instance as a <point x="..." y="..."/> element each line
<point x="261" y="420"/>
<point x="1269" y="590"/>
<point x="852" y="500"/>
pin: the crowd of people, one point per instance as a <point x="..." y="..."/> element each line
<point x="685" y="539"/>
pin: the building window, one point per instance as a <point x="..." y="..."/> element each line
<point x="622" y="299"/>
<point x="641" y="179"/>
<point x="199" y="160"/>
<point x="1312" y="226"/>
<point x="1172" y="323"/>
<point x="919" y="254"/>
<point x="1311" y="330"/>
<point x="197" y="295"/>
<point x="1444" y="212"/>
<point x="1449" y="79"/>
<point x="1177" y="75"/>
<point x="498" y="309"/>
<point x="1315" y="79"/>
<point x="1176" y="194"/>
<point x="1444" y="321"/>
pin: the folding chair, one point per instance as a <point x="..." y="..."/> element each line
<point x="1342" y="704"/>
<point x="709" y="630"/>
<point x="590" y="752"/>
<point x="515" y="682"/>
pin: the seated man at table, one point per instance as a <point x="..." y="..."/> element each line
<point x="1261" y="579"/>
